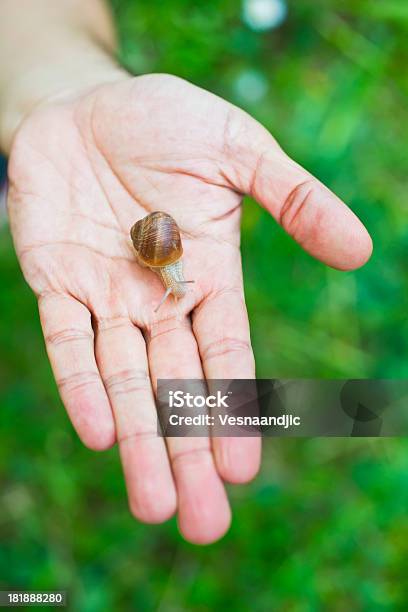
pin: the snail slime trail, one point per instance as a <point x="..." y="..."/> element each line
<point x="157" y="243"/>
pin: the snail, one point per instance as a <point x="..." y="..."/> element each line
<point x="157" y="242"/>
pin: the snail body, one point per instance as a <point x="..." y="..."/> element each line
<point x="172" y="278"/>
<point x="157" y="243"/>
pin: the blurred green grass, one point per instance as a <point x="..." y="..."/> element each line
<point x="324" y="526"/>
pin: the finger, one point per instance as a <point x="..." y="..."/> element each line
<point x="204" y="513"/>
<point x="221" y="327"/>
<point x="69" y="340"/>
<point x="314" y="216"/>
<point x="122" y="361"/>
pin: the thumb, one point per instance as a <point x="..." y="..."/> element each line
<point x="307" y="210"/>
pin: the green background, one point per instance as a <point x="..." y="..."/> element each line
<point x="323" y="527"/>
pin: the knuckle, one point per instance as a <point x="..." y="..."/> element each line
<point x="231" y="130"/>
<point x="108" y="324"/>
<point x="131" y="380"/>
<point x="77" y="381"/>
<point x="220" y="348"/>
<point x="67" y="335"/>
<point x="191" y="457"/>
<point x="139" y="434"/>
<point x="166" y="326"/>
<point x="294" y="207"/>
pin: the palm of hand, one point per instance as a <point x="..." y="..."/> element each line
<point x="92" y="170"/>
<point x="82" y="172"/>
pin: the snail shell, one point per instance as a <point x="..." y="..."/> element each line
<point x="156" y="239"/>
<point x="157" y="242"/>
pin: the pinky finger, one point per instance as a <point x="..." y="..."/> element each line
<point x="69" y="340"/>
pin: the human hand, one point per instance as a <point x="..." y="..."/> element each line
<point x="82" y="170"/>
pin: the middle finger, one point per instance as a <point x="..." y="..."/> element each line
<point x="204" y="512"/>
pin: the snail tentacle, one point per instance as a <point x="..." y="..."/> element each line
<point x="164" y="298"/>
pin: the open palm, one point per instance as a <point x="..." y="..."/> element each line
<point x="83" y="169"/>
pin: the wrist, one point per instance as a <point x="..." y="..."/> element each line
<point x="67" y="76"/>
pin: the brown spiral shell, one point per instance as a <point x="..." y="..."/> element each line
<point x="156" y="239"/>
